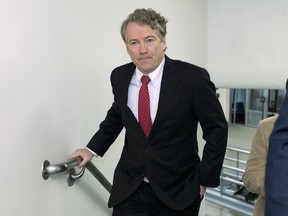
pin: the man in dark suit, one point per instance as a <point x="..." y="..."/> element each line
<point x="276" y="180"/>
<point x="160" y="172"/>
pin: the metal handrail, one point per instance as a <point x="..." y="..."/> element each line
<point x="99" y="176"/>
<point x="233" y="168"/>
<point x="59" y="168"/>
<point x="238" y="150"/>
<point x="235" y="160"/>
<point x="230" y="182"/>
<point x="68" y="166"/>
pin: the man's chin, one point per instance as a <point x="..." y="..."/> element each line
<point x="146" y="68"/>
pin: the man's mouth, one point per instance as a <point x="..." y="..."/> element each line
<point x="145" y="59"/>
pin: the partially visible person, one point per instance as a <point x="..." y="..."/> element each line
<point x="276" y="180"/>
<point x="254" y="175"/>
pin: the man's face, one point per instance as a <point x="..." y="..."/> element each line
<point x="144" y="47"/>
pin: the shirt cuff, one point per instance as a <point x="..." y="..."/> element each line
<point x="92" y="152"/>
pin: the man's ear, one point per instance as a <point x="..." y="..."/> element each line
<point x="164" y="46"/>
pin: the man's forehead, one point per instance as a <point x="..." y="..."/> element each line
<point x="140" y="31"/>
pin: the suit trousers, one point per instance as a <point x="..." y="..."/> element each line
<point x="144" y="202"/>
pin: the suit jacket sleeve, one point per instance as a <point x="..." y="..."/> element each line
<point x="253" y="178"/>
<point x="215" y="129"/>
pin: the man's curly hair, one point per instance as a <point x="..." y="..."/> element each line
<point x="146" y="17"/>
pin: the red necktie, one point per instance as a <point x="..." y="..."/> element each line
<point x="144" y="116"/>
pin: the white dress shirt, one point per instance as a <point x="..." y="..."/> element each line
<point x="153" y="88"/>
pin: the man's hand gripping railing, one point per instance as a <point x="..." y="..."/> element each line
<point x="68" y="167"/>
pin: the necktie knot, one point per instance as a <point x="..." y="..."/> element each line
<point x="145" y="79"/>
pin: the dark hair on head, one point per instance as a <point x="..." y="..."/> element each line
<point x="146" y="17"/>
<point x="286" y="84"/>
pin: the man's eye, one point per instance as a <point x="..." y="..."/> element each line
<point x="150" y="40"/>
<point x="134" y="43"/>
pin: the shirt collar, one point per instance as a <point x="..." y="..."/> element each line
<point x="154" y="75"/>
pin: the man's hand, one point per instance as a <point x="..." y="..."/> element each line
<point x="202" y="191"/>
<point x="85" y="154"/>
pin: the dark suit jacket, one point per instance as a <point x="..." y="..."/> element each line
<point x="276" y="180"/>
<point x="169" y="157"/>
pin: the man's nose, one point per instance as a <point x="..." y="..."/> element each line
<point x="143" y="47"/>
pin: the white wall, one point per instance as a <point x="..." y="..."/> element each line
<point x="247" y="43"/>
<point x="55" y="61"/>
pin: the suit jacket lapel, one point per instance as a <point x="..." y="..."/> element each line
<point x="167" y="91"/>
<point x="125" y="82"/>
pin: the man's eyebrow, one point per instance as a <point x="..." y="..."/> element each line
<point x="132" y="40"/>
<point x="150" y="36"/>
